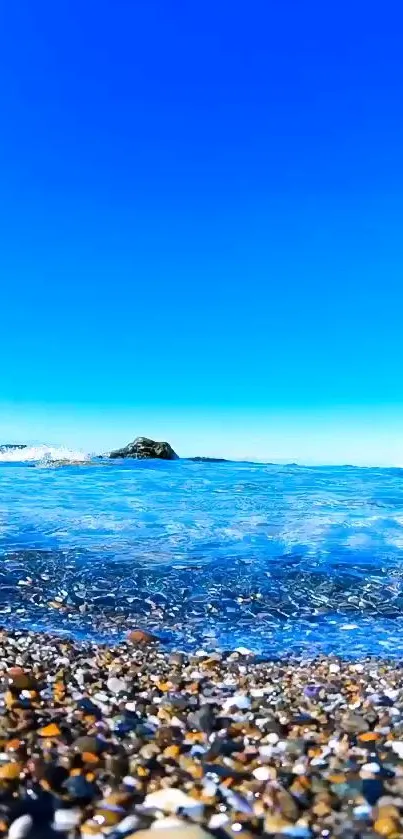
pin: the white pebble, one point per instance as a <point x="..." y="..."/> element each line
<point x="262" y="773"/>
<point x="391" y="694"/>
<point x="372" y="768"/>
<point x="20" y="827"/>
<point x="299" y="768"/>
<point x="266" y="751"/>
<point x="101" y="697"/>
<point x="334" y="668"/>
<point x="66" y="820"/>
<point x="177" y="723"/>
<point x="397" y="747"/>
<point x="217" y="820"/>
<point x="362" y="811"/>
<point x="171" y="799"/>
<point x="170" y="822"/>
<point x="209" y="787"/>
<point x="129" y="823"/>
<point x="239" y="700"/>
<point x="116" y="685"/>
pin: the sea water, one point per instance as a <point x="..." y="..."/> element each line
<point x="278" y="559"/>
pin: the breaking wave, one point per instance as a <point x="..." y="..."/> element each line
<point x="26" y="454"/>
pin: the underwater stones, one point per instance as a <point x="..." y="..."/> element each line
<point x="142" y="448"/>
<point x="141" y="637"/>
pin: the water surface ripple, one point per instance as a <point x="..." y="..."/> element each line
<point x="276" y="558"/>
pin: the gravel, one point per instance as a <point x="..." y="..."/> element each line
<point x="133" y="740"/>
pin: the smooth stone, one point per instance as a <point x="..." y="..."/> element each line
<point x="203" y="719"/>
<point x="239" y="700"/>
<point x="186" y="831"/>
<point x="20" y="828"/>
<point x="128" y="823"/>
<point x="353" y="723"/>
<point x="141" y="637"/>
<point x="116" y="685"/>
<point x="172" y="800"/>
<point x="87" y="743"/>
<point x="78" y="787"/>
<point x="372" y="790"/>
<point x="66" y="819"/>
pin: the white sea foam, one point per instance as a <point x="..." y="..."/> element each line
<point x="40" y="453"/>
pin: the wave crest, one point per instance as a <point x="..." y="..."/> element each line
<point x="36" y="454"/>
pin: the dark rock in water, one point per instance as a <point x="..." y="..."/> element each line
<point x="143" y="448"/>
<point x="6" y="447"/>
<point x="209" y="459"/>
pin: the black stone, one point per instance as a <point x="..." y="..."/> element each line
<point x="143" y="448"/>
<point x="209" y="460"/>
<point x="372" y="790"/>
<point x="80" y="789"/>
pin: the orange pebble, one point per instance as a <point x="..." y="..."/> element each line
<point x="9" y="700"/>
<point x="51" y="730"/>
<point x="171" y="751"/>
<point x="10" y="771"/>
<point x="89" y="757"/>
<point x="13" y="745"/>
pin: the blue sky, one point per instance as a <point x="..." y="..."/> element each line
<point x="200" y="226"/>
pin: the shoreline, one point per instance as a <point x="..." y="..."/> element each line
<point x="102" y="740"/>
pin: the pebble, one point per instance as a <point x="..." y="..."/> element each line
<point x="132" y="741"/>
<point x="188" y="831"/>
<point x="172" y="800"/>
<point x="239" y="700"/>
<point x="261" y="773"/>
<point x="66" y="819"/>
<point x="116" y="685"/>
<point x="397" y="746"/>
<point x="141" y="637"/>
<point x="20" y="828"/>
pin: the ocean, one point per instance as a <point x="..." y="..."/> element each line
<point x="277" y="559"/>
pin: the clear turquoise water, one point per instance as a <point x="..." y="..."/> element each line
<point x="278" y="559"/>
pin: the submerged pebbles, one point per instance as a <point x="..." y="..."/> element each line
<point x="131" y="741"/>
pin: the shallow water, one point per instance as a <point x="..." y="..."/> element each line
<point x="275" y="558"/>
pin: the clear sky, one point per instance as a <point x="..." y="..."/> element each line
<point x="201" y="226"/>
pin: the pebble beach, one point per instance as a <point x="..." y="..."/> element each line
<point x="133" y="739"/>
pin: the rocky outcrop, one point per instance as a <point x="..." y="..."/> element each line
<point x="209" y="459"/>
<point x="143" y="448"/>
